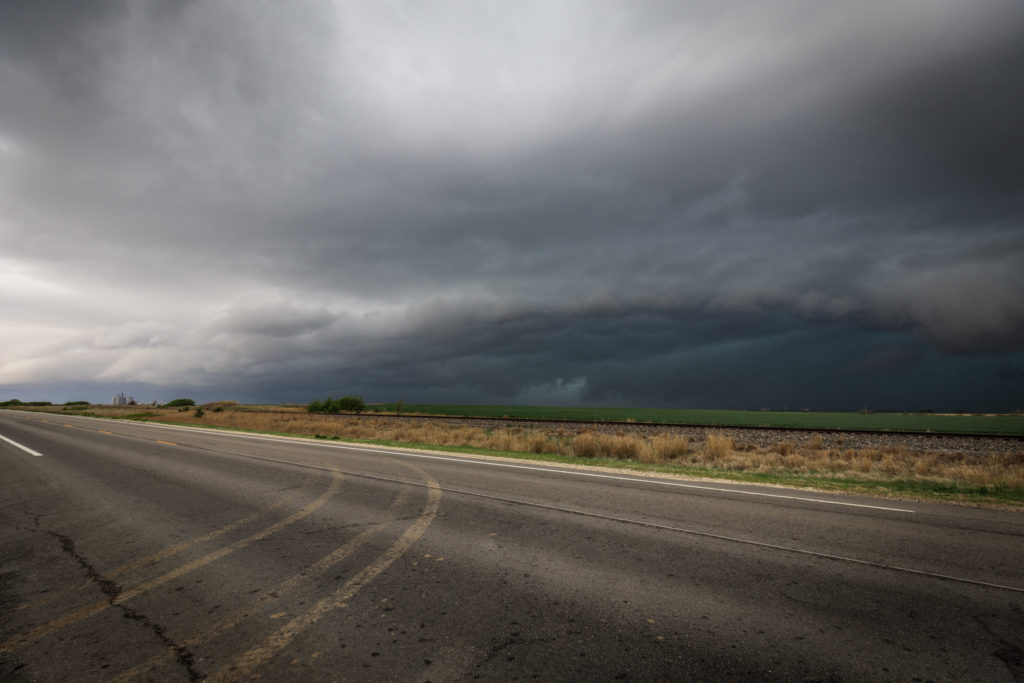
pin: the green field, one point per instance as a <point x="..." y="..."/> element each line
<point x="897" y="422"/>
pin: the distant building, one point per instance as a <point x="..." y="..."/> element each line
<point x="122" y="400"/>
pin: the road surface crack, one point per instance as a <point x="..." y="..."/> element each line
<point x="112" y="590"/>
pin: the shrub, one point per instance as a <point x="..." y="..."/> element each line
<point x="77" y="403"/>
<point x="349" y="404"/>
<point x="199" y="412"/>
<point x="178" y="402"/>
<point x="352" y="404"/>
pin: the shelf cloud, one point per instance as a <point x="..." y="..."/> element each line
<point x="704" y="204"/>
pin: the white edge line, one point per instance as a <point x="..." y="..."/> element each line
<point x="24" y="448"/>
<point x="490" y="463"/>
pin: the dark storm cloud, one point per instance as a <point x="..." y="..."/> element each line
<point x="272" y="321"/>
<point x="643" y="357"/>
<point x="629" y="202"/>
<point x="1009" y="373"/>
<point x="890" y="360"/>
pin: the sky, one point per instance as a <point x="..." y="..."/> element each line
<point x="710" y="204"/>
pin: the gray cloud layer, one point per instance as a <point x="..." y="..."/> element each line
<point x="648" y="203"/>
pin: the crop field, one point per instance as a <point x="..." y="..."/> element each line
<point x="897" y="422"/>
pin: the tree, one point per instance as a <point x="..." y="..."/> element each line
<point x="349" y="404"/>
<point x="352" y="404"/>
<point x="179" y="402"/>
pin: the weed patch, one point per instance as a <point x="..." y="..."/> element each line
<point x="717" y="446"/>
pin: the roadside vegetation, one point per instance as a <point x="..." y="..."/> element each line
<point x="346" y="404"/>
<point x="996" y="477"/>
<point x="179" y="403"/>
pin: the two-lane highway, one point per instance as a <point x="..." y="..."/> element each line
<point x="133" y="551"/>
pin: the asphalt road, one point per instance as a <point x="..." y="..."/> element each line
<point x="132" y="551"/>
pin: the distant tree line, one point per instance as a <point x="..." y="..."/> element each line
<point x="16" y="402"/>
<point x="347" y="404"/>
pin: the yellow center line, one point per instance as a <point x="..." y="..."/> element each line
<point x="102" y="431"/>
<point x="169" y="443"/>
<point x="234" y="619"/>
<point x="160" y="555"/>
<point x="252" y="659"/>
<point x="218" y="554"/>
<point x="175" y="549"/>
<point x="96" y="608"/>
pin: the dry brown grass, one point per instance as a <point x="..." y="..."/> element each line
<point x="718" y="451"/>
<point x="219" y="404"/>
<point x="665" y="448"/>
<point x="617" y="446"/>
<point x="783" y="447"/>
<point x="585" y="445"/>
<point x="717" y="446"/>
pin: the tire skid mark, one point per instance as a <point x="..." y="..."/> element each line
<point x="97" y="607"/>
<point x="112" y="590"/>
<point x="232" y="620"/>
<point x="159" y="555"/>
<point x="252" y="659"/>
